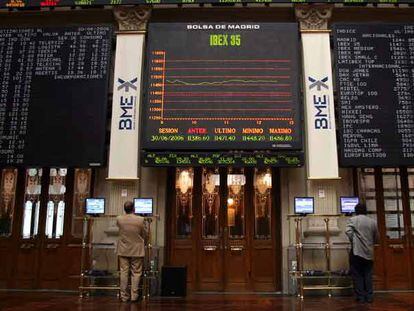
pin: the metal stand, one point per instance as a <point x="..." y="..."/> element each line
<point x="299" y="255"/>
<point x="87" y="245"/>
<point x="150" y="271"/>
<point x="299" y="246"/>
<point x="150" y="266"/>
<point x="82" y="265"/>
<point x="328" y="255"/>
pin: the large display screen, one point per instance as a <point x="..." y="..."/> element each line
<point x="221" y="86"/>
<point x="95" y="206"/>
<point x="304" y="205"/>
<point x="143" y="206"/>
<point x="53" y="95"/>
<point x="375" y="78"/>
<point x="347" y="204"/>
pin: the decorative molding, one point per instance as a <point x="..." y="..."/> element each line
<point x="313" y="17"/>
<point x="132" y="18"/>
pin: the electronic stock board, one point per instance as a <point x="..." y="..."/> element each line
<point x="234" y="159"/>
<point x="222" y="86"/>
<point x="53" y="95"/>
<point x="375" y="79"/>
<point x="70" y="3"/>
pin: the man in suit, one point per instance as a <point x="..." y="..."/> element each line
<point x="131" y="250"/>
<point x="363" y="234"/>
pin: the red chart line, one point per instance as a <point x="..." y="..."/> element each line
<point x="232" y="84"/>
<point x="229" y="60"/>
<point x="228" y="94"/>
<point x="277" y="66"/>
<point x="227" y="68"/>
<point x="227" y="119"/>
<point x="231" y="109"/>
<point x="207" y="76"/>
<point x="238" y="93"/>
<point x="229" y="101"/>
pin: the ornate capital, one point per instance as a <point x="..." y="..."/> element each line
<point x="132" y="18"/>
<point x="313" y="17"/>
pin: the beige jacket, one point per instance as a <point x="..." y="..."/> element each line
<point x="132" y="233"/>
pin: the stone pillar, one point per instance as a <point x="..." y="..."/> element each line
<point x="313" y="18"/>
<point x="130" y="46"/>
<point x="123" y="182"/>
<point x="322" y="185"/>
<point x="132" y="20"/>
<point x="127" y="85"/>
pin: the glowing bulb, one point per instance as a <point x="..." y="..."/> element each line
<point x="267" y="180"/>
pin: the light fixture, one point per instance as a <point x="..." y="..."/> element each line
<point x="267" y="180"/>
<point x="185" y="181"/>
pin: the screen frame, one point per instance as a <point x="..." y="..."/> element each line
<point x="95" y="214"/>
<point x="295" y="208"/>
<point x="88" y="106"/>
<point x="340" y="204"/>
<point x="152" y="207"/>
<point x="158" y="30"/>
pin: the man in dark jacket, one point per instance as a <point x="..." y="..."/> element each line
<point x="363" y="234"/>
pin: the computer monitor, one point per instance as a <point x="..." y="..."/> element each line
<point x="95" y="206"/>
<point x="143" y="206"/>
<point x="347" y="204"/>
<point x="304" y="205"/>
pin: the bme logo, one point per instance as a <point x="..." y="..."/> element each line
<point x="127" y="84"/>
<point x="127" y="104"/>
<point x="320" y="102"/>
<point x="319" y="84"/>
<point x="321" y="116"/>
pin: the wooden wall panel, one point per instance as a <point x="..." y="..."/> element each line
<point x="263" y="268"/>
<point x="183" y="256"/>
<point x="237" y="270"/>
<point x="210" y="270"/>
<point x="242" y="264"/>
<point x="26" y="269"/>
<point x="397" y="267"/>
<point x="379" y="277"/>
<point x="51" y="267"/>
<point x="263" y="264"/>
<point x="5" y="266"/>
<point x="70" y="276"/>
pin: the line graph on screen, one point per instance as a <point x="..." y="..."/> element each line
<point x="219" y="89"/>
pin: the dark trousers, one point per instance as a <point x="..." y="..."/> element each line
<point x="361" y="271"/>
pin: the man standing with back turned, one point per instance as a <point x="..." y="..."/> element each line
<point x="131" y="250"/>
<point x="363" y="234"/>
